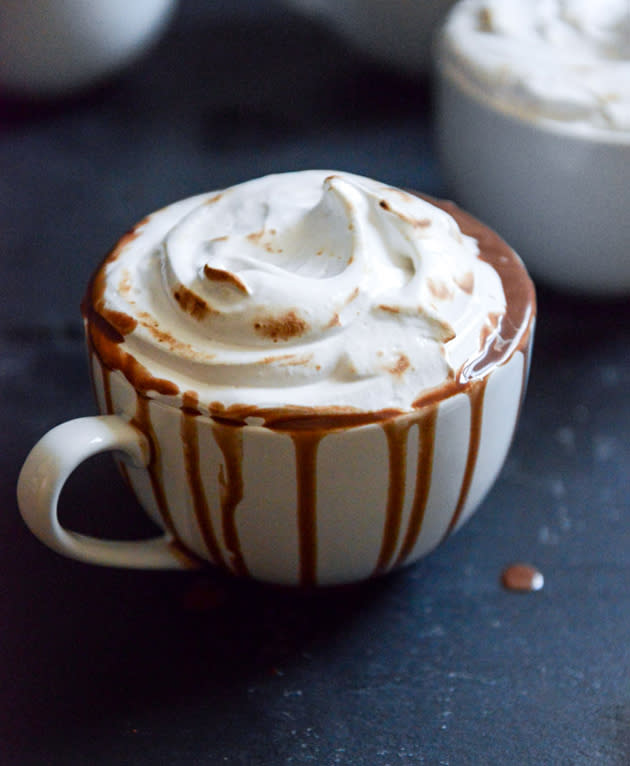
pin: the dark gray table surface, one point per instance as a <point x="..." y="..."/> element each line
<point x="437" y="664"/>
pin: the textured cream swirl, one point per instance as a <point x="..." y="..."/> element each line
<point x="308" y="289"/>
<point x="561" y="60"/>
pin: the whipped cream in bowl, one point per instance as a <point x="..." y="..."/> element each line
<point x="534" y="131"/>
<point x="564" y="61"/>
<point x="325" y="371"/>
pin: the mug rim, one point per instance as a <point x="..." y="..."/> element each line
<point x="316" y="419"/>
<point x="104" y="336"/>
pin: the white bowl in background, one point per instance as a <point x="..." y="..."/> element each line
<point x="558" y="189"/>
<point x="57" y="47"/>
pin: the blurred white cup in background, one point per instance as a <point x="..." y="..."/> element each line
<point x="56" y="47"/>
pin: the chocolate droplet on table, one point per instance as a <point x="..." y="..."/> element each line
<point x="522" y="577"/>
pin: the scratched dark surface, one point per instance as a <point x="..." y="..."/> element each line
<point x="437" y="664"/>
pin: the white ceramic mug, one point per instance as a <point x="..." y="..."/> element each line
<point x="315" y="501"/>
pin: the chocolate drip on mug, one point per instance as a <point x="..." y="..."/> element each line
<point x="396" y="433"/>
<point x="107" y="390"/>
<point x="306" y="444"/>
<point x="109" y="410"/>
<point x="476" y="396"/>
<point x="190" y="446"/>
<point x="142" y="420"/>
<point x="424" y="468"/>
<point x="230" y="442"/>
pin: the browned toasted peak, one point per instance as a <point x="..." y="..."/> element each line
<point x="287" y="360"/>
<point x="227" y="277"/>
<point x="284" y="327"/>
<point x="466" y="282"/>
<point x="353" y="296"/>
<point x="191" y="302"/>
<point x="401" y="365"/>
<point x="422" y="223"/>
<point x="439" y="289"/>
<point x="121" y="321"/>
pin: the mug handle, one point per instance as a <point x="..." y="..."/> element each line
<point x="46" y="470"/>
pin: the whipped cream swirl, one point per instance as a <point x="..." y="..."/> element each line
<point x="558" y="60"/>
<point x="306" y="289"/>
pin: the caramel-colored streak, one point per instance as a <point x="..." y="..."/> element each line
<point x="105" y="332"/>
<point x="109" y="410"/>
<point x="142" y="420"/>
<point x="476" y="393"/>
<point x="191" y="303"/>
<point x="107" y="391"/>
<point x="226" y="277"/>
<point x="230" y="442"/>
<point x="92" y="360"/>
<point x="426" y="450"/>
<point x="190" y="445"/>
<point x="306" y="446"/>
<point x="289" y="325"/>
<point x="396" y="433"/>
<point x="292" y="419"/>
<point x="516" y="325"/>
<point x="111" y="355"/>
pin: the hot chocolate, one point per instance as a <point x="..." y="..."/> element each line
<point x="325" y="373"/>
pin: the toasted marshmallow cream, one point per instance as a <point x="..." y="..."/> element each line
<point x="560" y="60"/>
<point x="311" y="290"/>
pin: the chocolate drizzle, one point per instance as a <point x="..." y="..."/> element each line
<point x="306" y="444"/>
<point x="476" y="396"/>
<point x="513" y="332"/>
<point x="426" y="448"/>
<point x="306" y="427"/>
<point x="109" y="410"/>
<point x="396" y="432"/>
<point x="142" y="421"/>
<point x="107" y="391"/>
<point x="190" y="446"/>
<point x="230" y="442"/>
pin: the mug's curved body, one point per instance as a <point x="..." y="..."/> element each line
<point x="319" y="506"/>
